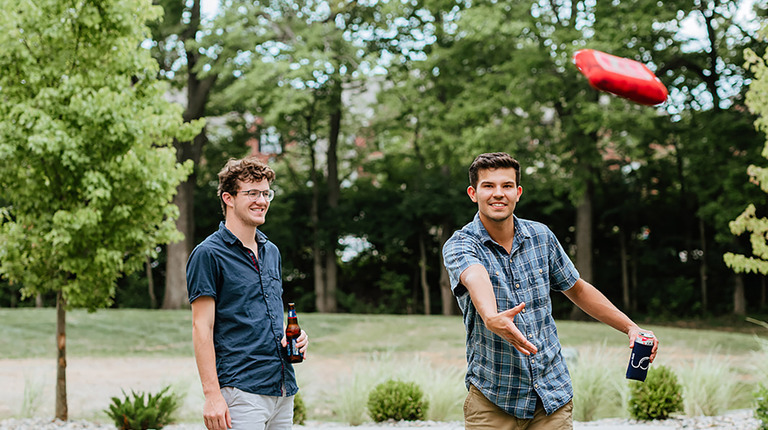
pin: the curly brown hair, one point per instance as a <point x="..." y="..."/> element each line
<point x="245" y="169"/>
<point x="492" y="160"/>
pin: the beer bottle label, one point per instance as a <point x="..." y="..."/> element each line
<point x="292" y="348"/>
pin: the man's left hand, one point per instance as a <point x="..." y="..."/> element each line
<point x="302" y="342"/>
<point x="632" y="334"/>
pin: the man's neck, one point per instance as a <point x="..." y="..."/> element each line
<point x="246" y="234"/>
<point x="502" y="232"/>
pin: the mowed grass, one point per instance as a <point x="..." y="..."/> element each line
<point x="30" y="333"/>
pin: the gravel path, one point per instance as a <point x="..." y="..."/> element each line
<point x="734" y="420"/>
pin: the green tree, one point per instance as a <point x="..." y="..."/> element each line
<point x="85" y="162"/>
<point x="496" y="75"/>
<point x="182" y="44"/>
<point x="296" y="80"/>
<point x="710" y="132"/>
<point x="749" y="220"/>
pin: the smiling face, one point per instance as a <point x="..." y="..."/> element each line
<point x="496" y="194"/>
<point x="244" y="210"/>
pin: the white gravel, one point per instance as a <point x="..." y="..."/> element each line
<point x="734" y="420"/>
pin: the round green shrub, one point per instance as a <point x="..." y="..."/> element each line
<point x="397" y="400"/>
<point x="761" y="406"/>
<point x="658" y="397"/>
<point x="299" y="410"/>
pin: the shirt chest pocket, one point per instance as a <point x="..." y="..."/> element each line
<point x="539" y="287"/>
<point x="503" y="288"/>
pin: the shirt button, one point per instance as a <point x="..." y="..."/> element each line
<point x="530" y="336"/>
<point x="541" y="271"/>
<point x="497" y="273"/>
<point x="523" y="310"/>
<point x="517" y="285"/>
<point x="536" y="385"/>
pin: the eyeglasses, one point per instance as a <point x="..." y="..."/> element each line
<point x="254" y="194"/>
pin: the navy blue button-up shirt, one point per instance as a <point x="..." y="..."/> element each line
<point x="249" y="311"/>
<point x="536" y="265"/>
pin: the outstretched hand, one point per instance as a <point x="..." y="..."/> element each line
<point x="503" y="324"/>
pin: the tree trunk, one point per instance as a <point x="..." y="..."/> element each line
<point x="317" y="248"/>
<point x="150" y="283"/>
<point x="583" y="245"/>
<point x="178" y="252"/>
<point x="633" y="280"/>
<point x="331" y="279"/>
<point x="334" y="192"/>
<point x="739" y="299"/>
<point x="448" y="301"/>
<point x="198" y="91"/>
<point x="625" y="292"/>
<point x="62" y="412"/>
<point x="423" y="274"/>
<point x="703" y="269"/>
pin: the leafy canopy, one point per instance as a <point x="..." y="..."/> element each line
<point x="85" y="161"/>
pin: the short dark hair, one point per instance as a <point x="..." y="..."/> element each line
<point x="245" y="169"/>
<point x="492" y="160"/>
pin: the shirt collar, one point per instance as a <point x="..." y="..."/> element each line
<point x="521" y="231"/>
<point x="231" y="239"/>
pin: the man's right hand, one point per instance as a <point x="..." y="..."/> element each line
<point x="503" y="324"/>
<point x="216" y="413"/>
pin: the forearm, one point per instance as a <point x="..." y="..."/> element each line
<point x="477" y="282"/>
<point x="205" y="357"/>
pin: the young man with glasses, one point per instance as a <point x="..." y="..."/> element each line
<point x="235" y="287"/>
<point x="502" y="269"/>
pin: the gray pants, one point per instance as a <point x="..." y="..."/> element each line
<point x="258" y="412"/>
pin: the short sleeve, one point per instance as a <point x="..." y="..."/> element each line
<point x="562" y="273"/>
<point x="460" y="252"/>
<point x="201" y="274"/>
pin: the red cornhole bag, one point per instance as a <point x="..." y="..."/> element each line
<point x="621" y="76"/>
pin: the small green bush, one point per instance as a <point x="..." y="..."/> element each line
<point x="299" y="410"/>
<point x="658" y="397"/>
<point x="761" y="406"/>
<point x="143" y="411"/>
<point x="397" y="400"/>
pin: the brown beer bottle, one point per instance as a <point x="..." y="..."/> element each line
<point x="292" y="332"/>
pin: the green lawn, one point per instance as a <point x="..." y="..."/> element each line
<point x="28" y="333"/>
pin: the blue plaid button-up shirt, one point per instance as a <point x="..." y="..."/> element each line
<point x="536" y="266"/>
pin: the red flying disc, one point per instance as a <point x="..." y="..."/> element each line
<point x="621" y="76"/>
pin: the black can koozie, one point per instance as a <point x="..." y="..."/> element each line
<point x="640" y="359"/>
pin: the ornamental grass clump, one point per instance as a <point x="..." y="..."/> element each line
<point x="142" y="411"/>
<point x="299" y="410"/>
<point x="598" y="393"/>
<point x="397" y="400"/>
<point x="658" y="397"/>
<point x="711" y="387"/>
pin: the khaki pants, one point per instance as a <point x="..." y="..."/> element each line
<point x="481" y="413"/>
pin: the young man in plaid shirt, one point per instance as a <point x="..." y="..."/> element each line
<point x="502" y="269"/>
